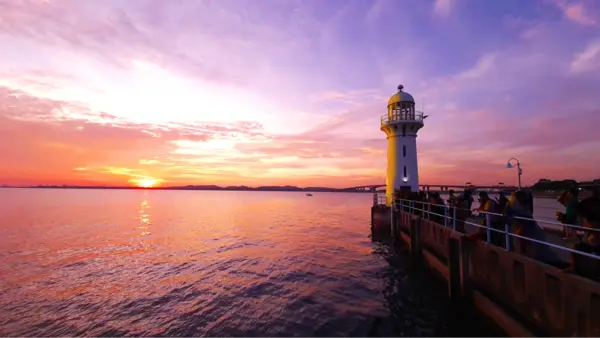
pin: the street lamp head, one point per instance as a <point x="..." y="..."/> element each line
<point x="509" y="166"/>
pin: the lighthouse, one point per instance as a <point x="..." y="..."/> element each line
<point x="401" y="125"/>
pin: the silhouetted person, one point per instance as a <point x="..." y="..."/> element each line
<point x="452" y="201"/>
<point x="570" y="200"/>
<point x="589" y="211"/>
<point x="422" y="196"/>
<point x="451" y="195"/>
<point x="462" y="212"/>
<point x="526" y="226"/>
<point x="530" y="197"/>
<point x="502" y="201"/>
<point x="437" y="208"/>
<point x="468" y="195"/>
<point x="488" y="206"/>
<point x="417" y="204"/>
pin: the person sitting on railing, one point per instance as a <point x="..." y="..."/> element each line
<point x="523" y="224"/>
<point x="589" y="211"/>
<point x="570" y="200"/>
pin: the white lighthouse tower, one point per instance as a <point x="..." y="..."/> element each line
<point x="401" y="124"/>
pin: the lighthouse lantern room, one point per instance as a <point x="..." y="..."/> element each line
<point x="401" y="125"/>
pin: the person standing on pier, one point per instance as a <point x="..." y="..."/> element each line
<point x="451" y="196"/>
<point x="437" y="206"/>
<point x="462" y="212"/>
<point x="468" y="196"/>
<point x="530" y="199"/>
<point x="502" y="201"/>
<point x="452" y="201"/>
<point x="589" y="211"/>
<point x="570" y="200"/>
<point x="522" y="223"/>
<point x="489" y="208"/>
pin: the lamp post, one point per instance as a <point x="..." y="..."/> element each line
<point x="519" y="170"/>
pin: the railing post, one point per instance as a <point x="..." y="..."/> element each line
<point x="507" y="233"/>
<point x="454" y="219"/>
<point x="488" y="224"/>
<point x="392" y="224"/>
<point x="428" y="211"/>
<point x="445" y="216"/>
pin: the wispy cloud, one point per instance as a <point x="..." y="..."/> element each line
<point x="588" y="59"/>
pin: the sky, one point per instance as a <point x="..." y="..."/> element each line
<point x="274" y="92"/>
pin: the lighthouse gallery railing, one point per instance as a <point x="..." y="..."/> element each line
<point x="400" y="115"/>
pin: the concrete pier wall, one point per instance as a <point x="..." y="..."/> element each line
<point x="524" y="297"/>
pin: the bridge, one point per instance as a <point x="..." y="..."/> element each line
<point x="447" y="187"/>
<point x="441" y="187"/>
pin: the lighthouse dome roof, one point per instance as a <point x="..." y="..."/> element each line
<point x="401" y="96"/>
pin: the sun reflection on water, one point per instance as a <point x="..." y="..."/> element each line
<point x="145" y="216"/>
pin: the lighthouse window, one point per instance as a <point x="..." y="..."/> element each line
<point x="404" y="151"/>
<point x="405" y="172"/>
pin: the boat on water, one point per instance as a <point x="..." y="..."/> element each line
<point x="308" y="194"/>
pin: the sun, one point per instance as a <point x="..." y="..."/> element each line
<point x="145" y="182"/>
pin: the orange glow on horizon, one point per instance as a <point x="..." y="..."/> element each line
<point x="145" y="182"/>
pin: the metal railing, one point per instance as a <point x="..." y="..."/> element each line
<point x="399" y="116"/>
<point x="379" y="199"/>
<point x="450" y="220"/>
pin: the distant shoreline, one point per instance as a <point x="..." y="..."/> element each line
<point x="199" y="188"/>
<point x="554" y="195"/>
<point x="536" y="194"/>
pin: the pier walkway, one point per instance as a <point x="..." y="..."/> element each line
<point x="527" y="293"/>
<point x="553" y="230"/>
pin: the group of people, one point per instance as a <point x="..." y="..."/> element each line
<point x="585" y="213"/>
<point x="516" y="213"/>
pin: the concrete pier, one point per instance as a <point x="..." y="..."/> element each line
<point x="524" y="297"/>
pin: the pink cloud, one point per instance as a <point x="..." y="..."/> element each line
<point x="578" y="13"/>
<point x="443" y="7"/>
<point x="38" y="143"/>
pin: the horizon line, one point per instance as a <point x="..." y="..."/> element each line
<point x="217" y="187"/>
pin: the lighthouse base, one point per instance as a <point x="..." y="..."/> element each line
<point x="381" y="219"/>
